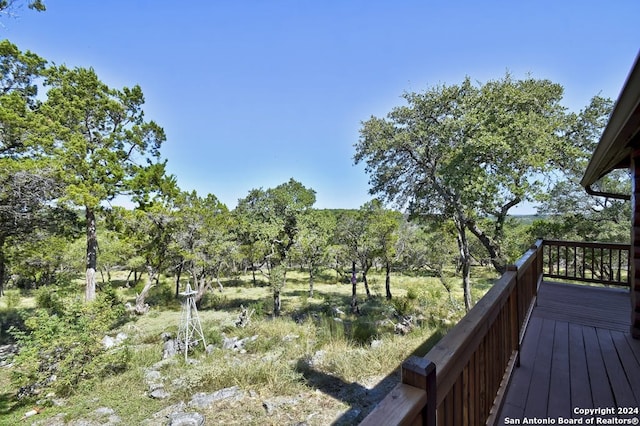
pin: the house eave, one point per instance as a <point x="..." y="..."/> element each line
<point x="622" y="134"/>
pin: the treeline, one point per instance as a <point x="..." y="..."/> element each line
<point x="456" y="159"/>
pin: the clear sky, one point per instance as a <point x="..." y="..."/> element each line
<point x="254" y="92"/>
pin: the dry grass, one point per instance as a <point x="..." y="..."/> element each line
<point x="306" y="364"/>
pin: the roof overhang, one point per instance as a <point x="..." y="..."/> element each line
<point x="622" y="134"/>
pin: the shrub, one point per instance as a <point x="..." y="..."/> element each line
<point x="61" y="349"/>
<point x="48" y="299"/>
<point x="403" y="306"/>
<point x="412" y="294"/>
<point x="363" y="331"/>
<point x="12" y="299"/>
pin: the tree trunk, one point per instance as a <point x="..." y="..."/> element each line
<point x="3" y="269"/>
<point x="220" y="287"/>
<point x="354" y="285"/>
<point x="277" y="304"/>
<point x="493" y="248"/>
<point x="141" y="307"/>
<point x="465" y="261"/>
<point x="387" y="279"/>
<point x="128" y="284"/>
<point x="92" y="255"/>
<point x="178" y="279"/>
<point x="311" y="282"/>
<point x="253" y="274"/>
<point x="366" y="284"/>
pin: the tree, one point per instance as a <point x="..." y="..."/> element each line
<point x="250" y="232"/>
<point x="571" y="213"/>
<point x="279" y="212"/>
<point x="383" y="231"/>
<point x="367" y="235"/>
<point x="8" y="6"/>
<point x="203" y="237"/>
<point x="313" y="242"/>
<point x="467" y="152"/>
<point x="27" y="182"/>
<point x="350" y="233"/>
<point x="103" y="146"/>
<point x="153" y="229"/>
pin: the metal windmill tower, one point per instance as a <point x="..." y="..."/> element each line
<point x="190" y="331"/>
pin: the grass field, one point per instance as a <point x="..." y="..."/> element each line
<point x="315" y="363"/>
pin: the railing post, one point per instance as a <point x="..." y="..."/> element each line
<point x="421" y="373"/>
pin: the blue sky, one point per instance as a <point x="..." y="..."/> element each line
<point x="252" y="93"/>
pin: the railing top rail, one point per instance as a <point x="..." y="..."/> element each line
<point x="593" y="244"/>
<point x="528" y="257"/>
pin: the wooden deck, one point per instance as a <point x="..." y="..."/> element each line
<point x="577" y="354"/>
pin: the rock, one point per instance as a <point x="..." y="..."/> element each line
<point x="163" y="363"/>
<point x="317" y="358"/>
<point x="376" y="344"/>
<point x="168" y="411"/>
<point x="107" y="412"/>
<point x="186" y="419"/>
<point x="209" y="349"/>
<point x="203" y="400"/>
<point x="57" y="420"/>
<point x="6" y="353"/>
<point x="169" y="349"/>
<point x="108" y="342"/>
<point x="290" y="337"/>
<point x="270" y="405"/>
<point x="244" y="318"/>
<point x="152" y="375"/>
<point x="159" y="393"/>
<point x="404" y="326"/>
<point x="229" y="342"/>
<point x="104" y="411"/>
<point x="166" y="336"/>
<point x="120" y="338"/>
<point x="235" y="344"/>
<point x="153" y="379"/>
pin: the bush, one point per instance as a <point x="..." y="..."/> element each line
<point x="62" y="347"/>
<point x="12" y="299"/>
<point x="363" y="331"/>
<point x="48" y="299"/>
<point x="403" y="306"/>
<point x="10" y="319"/>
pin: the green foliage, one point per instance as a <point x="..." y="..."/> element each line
<point x="47" y="298"/>
<point x="412" y="294"/>
<point x="6" y="6"/>
<point x="10" y="319"/>
<point x="403" y="306"/>
<point x="258" y="308"/>
<point x="363" y="331"/>
<point x="12" y="299"/>
<point x="471" y="152"/>
<point x="163" y="296"/>
<point x="61" y="347"/>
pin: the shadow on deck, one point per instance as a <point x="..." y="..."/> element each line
<point x="577" y="355"/>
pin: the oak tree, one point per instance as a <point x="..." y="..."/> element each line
<point x="468" y="152"/>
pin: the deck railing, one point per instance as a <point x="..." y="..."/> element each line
<point x="601" y="263"/>
<point x="463" y="377"/>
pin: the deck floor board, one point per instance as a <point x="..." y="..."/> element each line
<point x="577" y="353"/>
